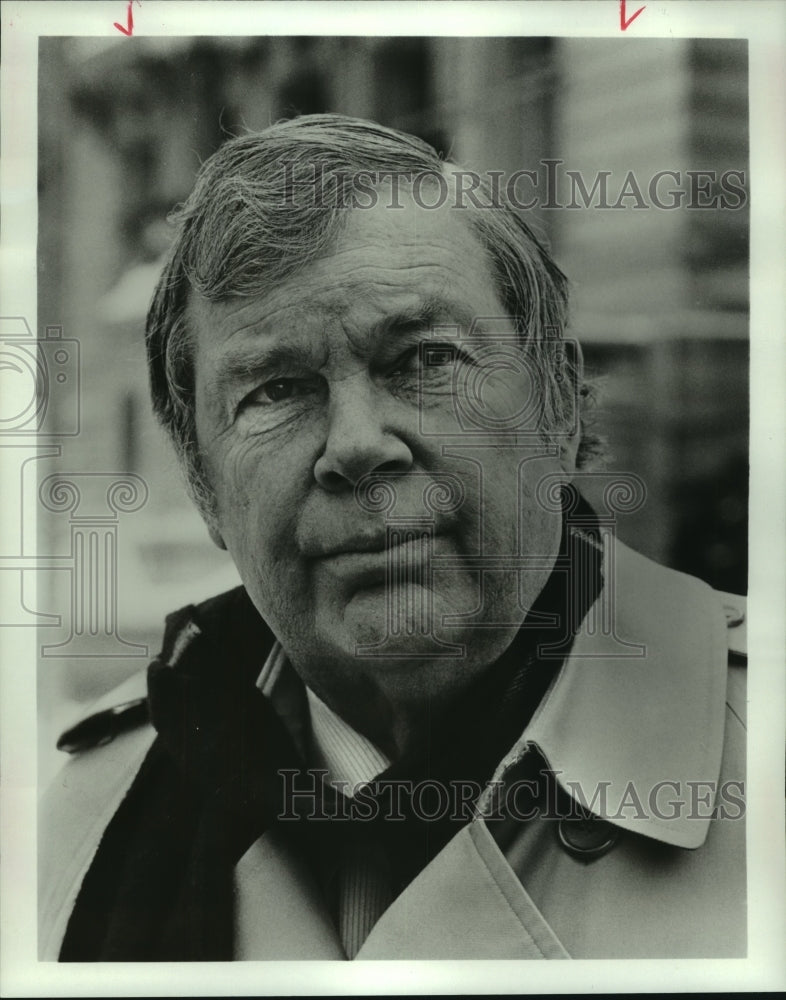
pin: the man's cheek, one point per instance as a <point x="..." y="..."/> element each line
<point x="236" y="475"/>
<point x="236" y="469"/>
<point x="540" y="530"/>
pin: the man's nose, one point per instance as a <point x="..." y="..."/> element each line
<point x="361" y="437"/>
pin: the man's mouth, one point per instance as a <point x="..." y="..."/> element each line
<point x="356" y="545"/>
<point x="400" y="556"/>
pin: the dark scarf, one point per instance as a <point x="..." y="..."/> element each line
<point x="160" y="886"/>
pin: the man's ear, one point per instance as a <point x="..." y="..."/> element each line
<point x="205" y="501"/>
<point x="570" y="436"/>
<point x="215" y="534"/>
<point x="568" y="450"/>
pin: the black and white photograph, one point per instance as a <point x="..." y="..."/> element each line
<point x="393" y="497"/>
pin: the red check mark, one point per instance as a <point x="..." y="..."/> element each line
<point x="625" y="22"/>
<point x="129" y="29"/>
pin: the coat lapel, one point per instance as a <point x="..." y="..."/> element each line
<point x="466" y="904"/>
<point x="279" y="913"/>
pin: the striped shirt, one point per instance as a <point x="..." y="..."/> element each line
<point x="350" y="759"/>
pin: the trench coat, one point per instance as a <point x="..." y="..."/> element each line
<point x="643" y="726"/>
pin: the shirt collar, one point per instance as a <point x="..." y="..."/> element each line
<point x="347" y="755"/>
<point x="349" y="758"/>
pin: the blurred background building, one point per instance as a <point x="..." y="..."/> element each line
<point x="660" y="297"/>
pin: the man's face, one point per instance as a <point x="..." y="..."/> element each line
<point x="321" y="381"/>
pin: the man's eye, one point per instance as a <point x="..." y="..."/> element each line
<point x="405" y="362"/>
<point x="424" y="358"/>
<point x="439" y="355"/>
<point x="278" y="390"/>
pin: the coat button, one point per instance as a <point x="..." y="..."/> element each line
<point x="586" y="837"/>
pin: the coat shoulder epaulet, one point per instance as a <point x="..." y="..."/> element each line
<point x="735" y="610"/>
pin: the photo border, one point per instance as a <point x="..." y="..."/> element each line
<point x="764" y="24"/>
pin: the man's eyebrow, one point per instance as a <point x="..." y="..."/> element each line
<point x="248" y="362"/>
<point x="431" y="312"/>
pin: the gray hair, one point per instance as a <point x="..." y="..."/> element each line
<point x="247" y="225"/>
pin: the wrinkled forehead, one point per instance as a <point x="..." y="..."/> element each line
<point x="386" y="246"/>
<point x="394" y="258"/>
<point x="402" y="210"/>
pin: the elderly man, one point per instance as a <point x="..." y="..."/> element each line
<point x="446" y="716"/>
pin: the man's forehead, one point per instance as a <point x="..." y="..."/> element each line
<point x="231" y="325"/>
<point x="384" y="262"/>
<point x="401" y="220"/>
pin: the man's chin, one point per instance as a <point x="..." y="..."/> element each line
<point x="399" y="624"/>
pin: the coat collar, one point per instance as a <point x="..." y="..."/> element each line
<point x="633" y="723"/>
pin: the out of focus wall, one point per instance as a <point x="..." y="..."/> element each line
<point x="660" y="296"/>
